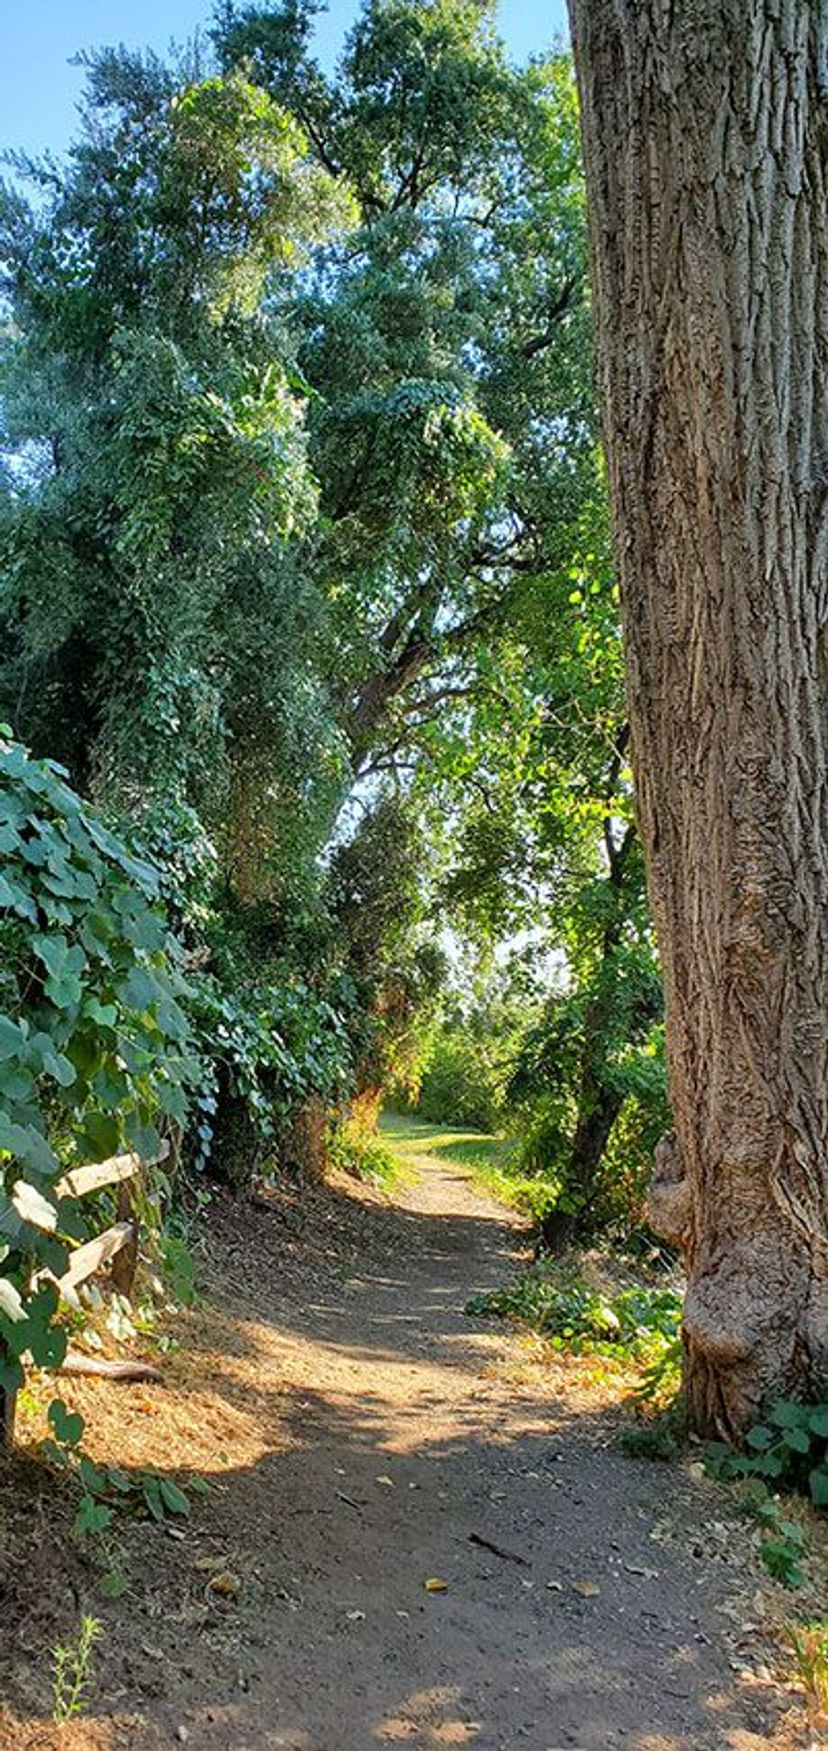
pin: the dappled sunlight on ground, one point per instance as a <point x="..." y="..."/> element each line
<point x="363" y="1435"/>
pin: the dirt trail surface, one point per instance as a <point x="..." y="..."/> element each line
<point x="366" y="1437"/>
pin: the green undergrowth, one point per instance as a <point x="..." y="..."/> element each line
<point x="639" y="1322"/>
<point x="786" y="1456"/>
<point x="365" y="1157"/>
<point x="788" y="1450"/>
<point x="102" y="1489"/>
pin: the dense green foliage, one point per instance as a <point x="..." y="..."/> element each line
<point x="304" y="576"/>
<point x="95" y="1046"/>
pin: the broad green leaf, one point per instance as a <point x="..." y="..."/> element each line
<point x="67" y="1426"/>
<point x="94" y="1478"/>
<point x="818" y="1484"/>
<point x="173" y="1498"/>
<point x="92" y="1516"/>
<point x="139" y="990"/>
<point x="786" y="1414"/>
<point x="28" y="1145"/>
<point x="152" y="1496"/>
<point x="11" y="1374"/>
<point x="103" y="1135"/>
<point x="12" y="1038"/>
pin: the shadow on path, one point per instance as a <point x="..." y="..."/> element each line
<point x="393" y="1448"/>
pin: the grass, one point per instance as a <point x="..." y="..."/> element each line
<point x="485" y="1157"/>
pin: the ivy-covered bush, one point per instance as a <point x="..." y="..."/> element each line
<point x="95" y="1046"/>
<point x="264" y="1051"/>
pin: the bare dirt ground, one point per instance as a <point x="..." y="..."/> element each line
<point x="364" y="1437"/>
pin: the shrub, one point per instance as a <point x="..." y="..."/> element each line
<point x="264" y="1051"/>
<point x="95" y="1047"/>
<point x="357" y="1150"/>
<point x="462" y="1075"/>
<point x="789" y="1450"/>
<point x="639" y="1321"/>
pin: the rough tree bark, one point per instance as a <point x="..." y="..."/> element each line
<point x="705" y="129"/>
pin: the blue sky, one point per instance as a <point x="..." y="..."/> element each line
<point x="38" y="89"/>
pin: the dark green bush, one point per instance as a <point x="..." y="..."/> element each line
<point x="95" y="1045"/>
<point x="264" y="1052"/>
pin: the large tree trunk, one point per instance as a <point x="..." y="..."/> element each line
<point x="705" y="129"/>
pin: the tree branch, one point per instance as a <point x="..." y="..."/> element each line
<point x="557" y="310"/>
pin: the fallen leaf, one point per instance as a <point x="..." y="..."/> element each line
<point x="226" y="1584"/>
<point x="388" y="1482"/>
<point x="587" y="1589"/>
<point x="435" y="1586"/>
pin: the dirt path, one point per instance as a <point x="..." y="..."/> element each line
<point x="373" y="1437"/>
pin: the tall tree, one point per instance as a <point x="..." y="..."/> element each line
<point x="445" y="340"/>
<point x="153" y="631"/>
<point x="705" y="140"/>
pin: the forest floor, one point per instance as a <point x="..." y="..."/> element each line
<point x="365" y="1437"/>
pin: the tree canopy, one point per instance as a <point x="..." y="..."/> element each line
<point x="305" y="574"/>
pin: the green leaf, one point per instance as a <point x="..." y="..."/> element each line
<point x="92" y="1516"/>
<point x="16" y="1083"/>
<point x="105" y="1014"/>
<point x="12" y="1038"/>
<point x="47" y="1344"/>
<point x="786" y="1414"/>
<point x="67" y="1426"/>
<point x="760" y="1438"/>
<point x="139" y="990"/>
<point x="818" y="1421"/>
<point x="152" y="1496"/>
<point x="173" y="1498"/>
<point x="64" y="992"/>
<point x="11" y="1375"/>
<point x="53" y="951"/>
<point x="103" y="1135"/>
<point x="15" y="898"/>
<point x="119" y="1480"/>
<point x="94" y="1478"/>
<point x="28" y="1145"/>
<point x="818" y="1485"/>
